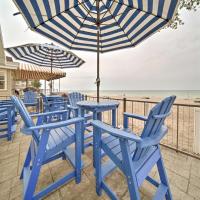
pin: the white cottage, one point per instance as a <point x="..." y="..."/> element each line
<point x="6" y="73"/>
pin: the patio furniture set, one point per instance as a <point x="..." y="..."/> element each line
<point x="59" y="133"/>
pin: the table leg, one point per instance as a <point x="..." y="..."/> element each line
<point x="82" y="131"/>
<point x="99" y="116"/>
<point x="96" y="116"/>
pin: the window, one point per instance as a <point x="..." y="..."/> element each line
<point x="3" y="80"/>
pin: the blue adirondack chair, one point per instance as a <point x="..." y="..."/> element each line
<point x="49" y="142"/>
<point x="75" y="97"/>
<point x="8" y="119"/>
<point x="135" y="156"/>
<point x="53" y="104"/>
<point x="31" y="100"/>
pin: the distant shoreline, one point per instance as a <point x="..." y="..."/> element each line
<point x="145" y="94"/>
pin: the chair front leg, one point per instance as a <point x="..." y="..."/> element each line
<point x="163" y="178"/>
<point x="129" y="170"/>
<point x="97" y="160"/>
<point x="27" y="161"/>
<point x="78" y="149"/>
<point x="37" y="164"/>
<point x="9" y="131"/>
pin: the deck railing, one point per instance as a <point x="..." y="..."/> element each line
<point x="183" y="123"/>
<point x="181" y="135"/>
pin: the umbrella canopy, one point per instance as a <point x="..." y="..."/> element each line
<point x="97" y="25"/>
<point x="46" y="55"/>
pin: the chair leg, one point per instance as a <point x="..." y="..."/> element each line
<point x="97" y="160"/>
<point x="9" y="135"/>
<point x="163" y="178"/>
<point x="78" y="149"/>
<point x="32" y="182"/>
<point x="129" y="171"/>
<point x="32" y="173"/>
<point x="83" y="139"/>
<point x="26" y="162"/>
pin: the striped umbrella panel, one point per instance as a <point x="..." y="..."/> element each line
<point x="46" y="55"/>
<point x="73" y="23"/>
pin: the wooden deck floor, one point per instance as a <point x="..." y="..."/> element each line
<point x="183" y="173"/>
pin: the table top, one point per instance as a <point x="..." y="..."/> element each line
<point x="94" y="104"/>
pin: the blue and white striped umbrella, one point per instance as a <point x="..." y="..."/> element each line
<point x="97" y="25"/>
<point x="45" y="55"/>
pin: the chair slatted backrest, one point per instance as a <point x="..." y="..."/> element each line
<point x="75" y="97"/>
<point x="30" y="97"/>
<point x="154" y="123"/>
<point x="28" y="122"/>
<point x="3" y="113"/>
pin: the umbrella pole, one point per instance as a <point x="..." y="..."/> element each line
<point x="98" y="78"/>
<point x="98" y="61"/>
<point x="51" y="80"/>
<point x="51" y="72"/>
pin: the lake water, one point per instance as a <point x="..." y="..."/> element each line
<point x="186" y="94"/>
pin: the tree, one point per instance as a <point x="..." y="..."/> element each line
<point x="36" y="84"/>
<point x="190" y="5"/>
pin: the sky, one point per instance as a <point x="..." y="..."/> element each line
<point x="168" y="60"/>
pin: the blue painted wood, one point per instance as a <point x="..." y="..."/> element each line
<point x="31" y="99"/>
<point x="7" y="120"/>
<point x="58" y="115"/>
<point x="135" y="156"/>
<point x="97" y="108"/>
<point x="49" y="142"/>
<point x="161" y="191"/>
<point x="74" y="98"/>
<point x="54" y="103"/>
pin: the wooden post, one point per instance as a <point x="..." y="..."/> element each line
<point x="124" y="104"/>
<point x="45" y="87"/>
<point x="59" y="84"/>
<point x="26" y="82"/>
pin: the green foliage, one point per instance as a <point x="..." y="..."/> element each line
<point x="190" y="5"/>
<point x="36" y="84"/>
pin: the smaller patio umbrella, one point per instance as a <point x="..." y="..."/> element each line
<point x="46" y="55"/>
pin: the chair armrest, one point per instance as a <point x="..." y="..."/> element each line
<point x="48" y="113"/>
<point x="115" y="132"/>
<point x="73" y="107"/>
<point x="54" y="125"/>
<point x="56" y="102"/>
<point x="161" y="115"/>
<point x="139" y="117"/>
